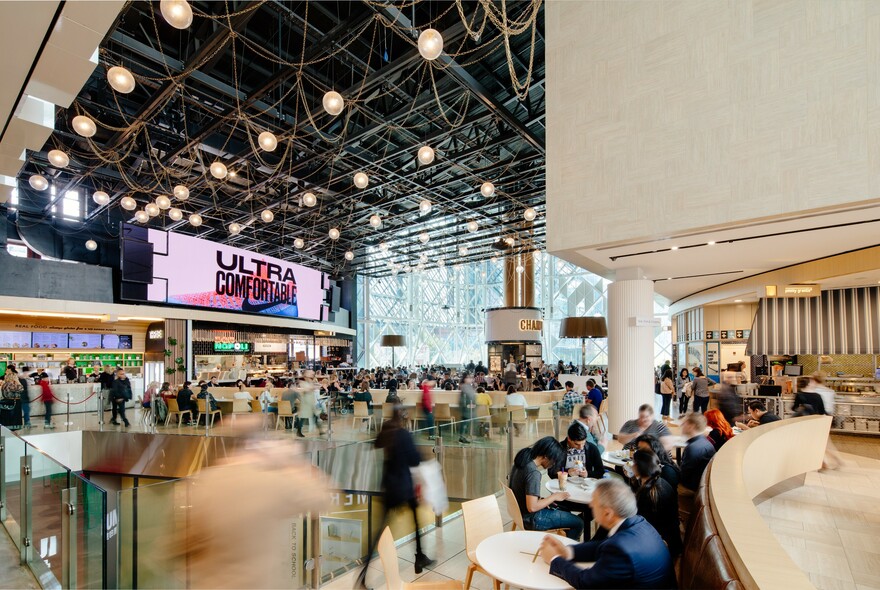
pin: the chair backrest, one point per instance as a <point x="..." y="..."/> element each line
<point x="545" y="411"/>
<point x="518" y="413"/>
<point x="483" y="411"/>
<point x="387" y="410"/>
<point x="603" y="407"/>
<point x="284" y="408"/>
<point x="256" y="407"/>
<point x="442" y="412"/>
<point x="388" y="557"/>
<point x="513" y="509"/>
<point x="576" y="411"/>
<point x="172" y="405"/>
<point x="200" y="404"/>
<point x="482" y="519"/>
<point x="361" y="410"/>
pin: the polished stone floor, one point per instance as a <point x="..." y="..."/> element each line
<point x="831" y="524"/>
<point x="13" y="575"/>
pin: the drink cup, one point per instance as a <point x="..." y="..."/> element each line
<point x="563" y="476"/>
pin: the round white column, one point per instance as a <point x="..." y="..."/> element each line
<point x="630" y="350"/>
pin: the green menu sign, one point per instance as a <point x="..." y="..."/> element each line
<point x="232" y="347"/>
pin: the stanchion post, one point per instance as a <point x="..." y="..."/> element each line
<point x="3" y="478"/>
<point x="68" y="538"/>
<point x="25" y="524"/>
<point x="556" y="433"/>
<point x="509" y="437"/>
<point x="101" y="408"/>
<point x="67" y="422"/>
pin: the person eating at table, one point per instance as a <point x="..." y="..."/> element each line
<point x="697" y="454"/>
<point x="758" y="415"/>
<point x="582" y="458"/>
<point x="721" y="431"/>
<point x="657" y="501"/>
<point x="668" y="469"/>
<point x="644" y="424"/>
<point x="588" y="416"/>
<point x="541" y="514"/>
<point x="627" y="552"/>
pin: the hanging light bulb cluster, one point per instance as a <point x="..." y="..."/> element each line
<point x="462" y="250"/>
<point x="441" y="263"/>
<point x="175" y="214"/>
<point x="84" y="126"/>
<point x="163" y="202"/>
<point x="152" y="209"/>
<point x="383" y="246"/>
<point x="177" y="13"/>
<point x="430" y="44"/>
<point x="426" y="155"/>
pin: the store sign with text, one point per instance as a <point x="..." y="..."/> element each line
<point x="173" y="268"/>
<point x="531" y="325"/>
<point x="232" y="346"/>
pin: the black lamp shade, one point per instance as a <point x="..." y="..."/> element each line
<point x="393" y="340"/>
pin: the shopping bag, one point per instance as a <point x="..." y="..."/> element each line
<point x="428" y="478"/>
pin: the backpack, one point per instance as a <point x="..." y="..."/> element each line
<point x="160" y="408"/>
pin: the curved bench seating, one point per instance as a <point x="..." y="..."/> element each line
<point x="727" y="543"/>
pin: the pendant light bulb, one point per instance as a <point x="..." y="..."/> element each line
<point x="195" y="220"/>
<point x="120" y="79"/>
<point x="267" y="215"/>
<point x="530" y="214"/>
<point x="100" y="197"/>
<point x="375" y="221"/>
<point x="463" y="251"/>
<point x="58" y="158"/>
<point x="349" y="255"/>
<point x="267" y="140"/>
<point x="441" y="263"/>
<point x="361" y="180"/>
<point x="298" y="243"/>
<point x="181" y="192"/>
<point x="234" y="229"/>
<point x="175" y="214"/>
<point x="310" y="200"/>
<point x="487" y="189"/>
<point x="218" y="170"/>
<point x="426" y="155"/>
<point x="152" y="209"/>
<point x="333" y="103"/>
<point x="333" y="233"/>
<point x="84" y="126"/>
<point x="424" y="237"/>
<point x="425" y="207"/>
<point x="163" y="202"/>
<point x="178" y="13"/>
<point x="128" y="203"/>
<point x="520" y="269"/>
<point x="91" y="245"/>
<point x="472" y="226"/>
<point x="142" y="216"/>
<point x="430" y="44"/>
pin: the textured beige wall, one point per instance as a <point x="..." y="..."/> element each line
<point x="667" y="116"/>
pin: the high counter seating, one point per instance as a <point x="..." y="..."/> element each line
<point x="727" y="544"/>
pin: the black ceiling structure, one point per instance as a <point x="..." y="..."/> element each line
<point x="203" y="94"/>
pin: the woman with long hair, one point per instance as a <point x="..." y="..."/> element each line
<point x="700" y="387"/>
<point x="721" y="429"/>
<point x="667" y="389"/>
<point x="657" y="501"/>
<point x="398" y="490"/>
<point x="668" y="469"/>
<point x="684" y="378"/>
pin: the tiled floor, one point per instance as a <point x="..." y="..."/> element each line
<point x="12" y="575"/>
<point x="831" y="524"/>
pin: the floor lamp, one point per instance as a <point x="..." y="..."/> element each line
<point x="393" y="340"/>
<point x="583" y="328"/>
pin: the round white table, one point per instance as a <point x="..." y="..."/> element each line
<point x="510" y="558"/>
<point x="581" y="493"/>
<point x="614" y="458"/>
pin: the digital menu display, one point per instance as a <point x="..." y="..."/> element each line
<point x="77" y="340"/>
<point x="49" y="340"/>
<point x="217" y="276"/>
<point x="116" y="341"/>
<point x="15" y="339"/>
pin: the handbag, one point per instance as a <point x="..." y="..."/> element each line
<point x="687" y="389"/>
<point x="428" y="479"/>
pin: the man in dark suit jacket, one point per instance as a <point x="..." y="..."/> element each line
<point x="627" y="552"/>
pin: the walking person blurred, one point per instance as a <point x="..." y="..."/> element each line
<point x="48" y="399"/>
<point x="398" y="489"/>
<point x="667" y="390"/>
<point x="120" y="394"/>
<point x="467" y="403"/>
<point x="428" y="406"/>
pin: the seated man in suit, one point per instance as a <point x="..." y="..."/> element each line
<point x="627" y="552"/>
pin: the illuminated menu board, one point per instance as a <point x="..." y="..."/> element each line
<point x="15" y="339"/>
<point x="116" y="341"/>
<point x="49" y="340"/>
<point x="77" y="340"/>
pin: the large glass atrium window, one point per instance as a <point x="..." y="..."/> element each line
<point x="440" y="312"/>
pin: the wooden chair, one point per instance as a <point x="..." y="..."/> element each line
<point x="518" y="413"/>
<point x="603" y="417"/>
<point x="576" y="411"/>
<point x="285" y="410"/>
<point x="362" y="412"/>
<point x="484" y="414"/>
<point x="212" y="413"/>
<point x="442" y="413"/>
<point x="174" y="409"/>
<point x="387" y="411"/>
<point x="482" y="519"/>
<point x="388" y="557"/>
<point x="516" y="515"/>
<point x="256" y="408"/>
<point x="545" y="414"/>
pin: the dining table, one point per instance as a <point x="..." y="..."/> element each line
<point x="580" y="489"/>
<point x="512" y="558"/>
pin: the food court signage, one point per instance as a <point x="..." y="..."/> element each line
<point x="514" y="324"/>
<point x="531" y="325"/>
<point x="232" y="346"/>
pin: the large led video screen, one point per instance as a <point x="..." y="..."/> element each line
<point x="166" y="267"/>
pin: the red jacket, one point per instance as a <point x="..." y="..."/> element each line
<point x="46" y="396"/>
<point x="427" y="405"/>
